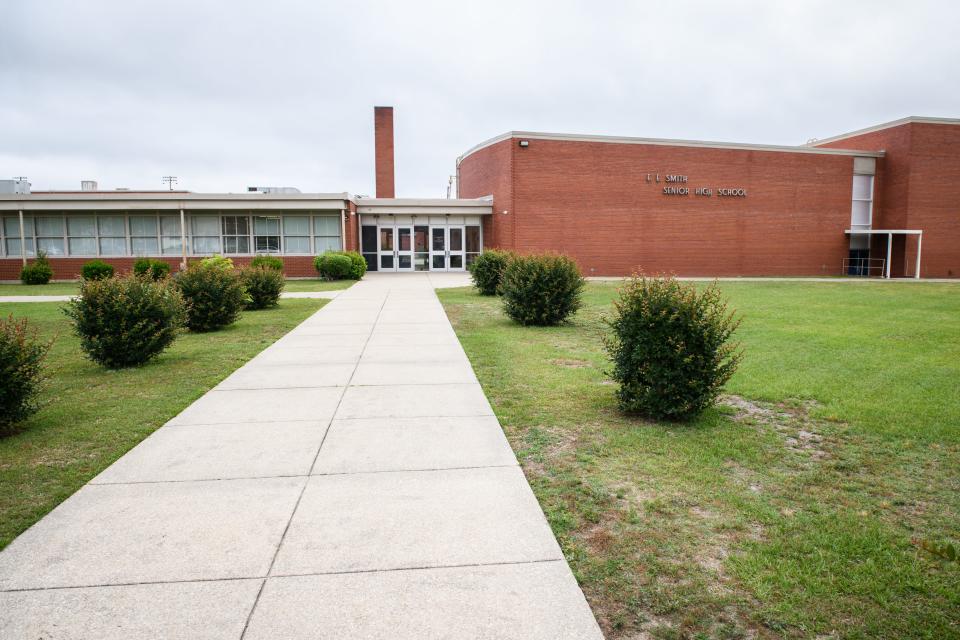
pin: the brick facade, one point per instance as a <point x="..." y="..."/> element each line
<point x="592" y="201"/>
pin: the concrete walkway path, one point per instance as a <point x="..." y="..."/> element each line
<point x="351" y="481"/>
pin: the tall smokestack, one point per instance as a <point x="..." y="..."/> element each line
<point x="383" y="150"/>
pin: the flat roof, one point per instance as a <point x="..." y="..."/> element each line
<point x="435" y="206"/>
<point x="666" y="142"/>
<point x="886" y="125"/>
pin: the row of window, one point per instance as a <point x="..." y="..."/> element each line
<point x="90" y="235"/>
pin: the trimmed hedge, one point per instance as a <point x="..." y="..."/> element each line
<point x="126" y="321"/>
<point x="214" y="293"/>
<point x="264" y="286"/>
<point x="487" y="270"/>
<point x="96" y="270"/>
<point x="156" y="269"/>
<point x="670" y="347"/>
<point x="37" y="272"/>
<point x="541" y="290"/>
<point x="340" y="265"/>
<point x="270" y="262"/>
<point x="21" y="371"/>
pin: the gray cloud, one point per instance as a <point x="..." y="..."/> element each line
<point x="230" y="94"/>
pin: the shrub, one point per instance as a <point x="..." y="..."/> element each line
<point x="156" y="269"/>
<point x="214" y="295"/>
<point x="21" y="374"/>
<point x="541" y="289"/>
<point x="356" y="270"/>
<point x="263" y="284"/>
<point x="96" y="270"/>
<point x="333" y="265"/>
<point x="270" y="262"/>
<point x="37" y="272"/>
<point x="125" y="321"/>
<point x="218" y="262"/>
<point x="670" y="347"/>
<point x="487" y="271"/>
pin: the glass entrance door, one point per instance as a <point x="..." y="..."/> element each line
<point x="438" y="249"/>
<point x="404" y="248"/>
<point x="455" y="248"/>
<point x="386" y="247"/>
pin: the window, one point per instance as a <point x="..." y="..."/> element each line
<point x="861" y="214"/>
<point x="266" y="234"/>
<point x="206" y="234"/>
<point x="143" y="235"/>
<point x="296" y="234"/>
<point x="170" y="239"/>
<point x="326" y="232"/>
<point x="113" y="235"/>
<point x="11" y="235"/>
<point x="50" y="235"/>
<point x="236" y="234"/>
<point x="473" y="243"/>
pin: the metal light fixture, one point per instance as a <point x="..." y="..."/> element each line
<point x="524" y="143"/>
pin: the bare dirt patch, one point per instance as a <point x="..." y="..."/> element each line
<point x="801" y="433"/>
<point x="570" y="363"/>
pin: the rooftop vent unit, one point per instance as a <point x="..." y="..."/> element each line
<point x="88" y="185"/>
<point x="280" y="190"/>
<point x="18" y="185"/>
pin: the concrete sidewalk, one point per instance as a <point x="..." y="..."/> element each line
<point x="351" y="481"/>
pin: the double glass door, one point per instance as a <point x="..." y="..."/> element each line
<point x="446" y="248"/>
<point x="403" y="248"/>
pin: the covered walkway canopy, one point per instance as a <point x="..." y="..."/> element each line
<point x="890" y="233"/>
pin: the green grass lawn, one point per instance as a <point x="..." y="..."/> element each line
<point x="787" y="511"/>
<point x="70" y="288"/>
<point x="92" y="416"/>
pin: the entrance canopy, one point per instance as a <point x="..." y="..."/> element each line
<point x="890" y="233"/>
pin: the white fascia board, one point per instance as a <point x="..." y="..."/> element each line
<point x="434" y="206"/>
<point x="886" y="125"/>
<point x="883" y="232"/>
<point x="154" y="202"/>
<point x="667" y="142"/>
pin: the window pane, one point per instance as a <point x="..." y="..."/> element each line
<point x="326" y="225"/>
<point x="862" y="187"/>
<point x="206" y="244"/>
<point x="113" y="246"/>
<point x="205" y="225"/>
<point x="170" y="225"/>
<point x="266" y="226"/>
<point x="54" y="226"/>
<point x="171" y="245"/>
<point x="438" y="243"/>
<point x="860" y="214"/>
<point x="473" y="239"/>
<point x="327" y="244"/>
<point x="296" y="225"/>
<point x="82" y="246"/>
<point x="11" y="227"/>
<point x="54" y="246"/>
<point x="111" y="226"/>
<point x="267" y="244"/>
<point x="13" y="247"/>
<point x="143" y="226"/>
<point x="236" y="225"/>
<point x="296" y="244"/>
<point x="236" y="244"/>
<point x="81" y="227"/>
<point x="144" y="246"/>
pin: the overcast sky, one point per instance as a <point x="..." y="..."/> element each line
<point x="231" y="94"/>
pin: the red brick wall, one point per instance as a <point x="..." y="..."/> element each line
<point x="351" y="226"/>
<point x="591" y="201"/>
<point x="69" y="268"/>
<point x="383" y="150"/>
<point x="920" y="189"/>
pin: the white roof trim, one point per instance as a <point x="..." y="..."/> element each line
<point x="120" y="201"/>
<point x="886" y="125"/>
<point x="667" y="142"/>
<point x="912" y="232"/>
<point x="435" y="206"/>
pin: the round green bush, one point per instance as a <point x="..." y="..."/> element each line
<point x="126" y="321"/>
<point x="670" y="346"/>
<point x="214" y="294"/>
<point x="487" y="270"/>
<point x="21" y="373"/>
<point x="541" y="290"/>
<point x="333" y="266"/>
<point x="217" y="261"/>
<point x="37" y="272"/>
<point x="358" y="265"/>
<point x="148" y="267"/>
<point x="264" y="286"/>
<point x="96" y="270"/>
<point x="270" y="262"/>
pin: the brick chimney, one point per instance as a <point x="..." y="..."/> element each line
<point x="383" y="150"/>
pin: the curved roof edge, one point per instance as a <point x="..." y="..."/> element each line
<point x="666" y="142"/>
<point x="885" y="125"/>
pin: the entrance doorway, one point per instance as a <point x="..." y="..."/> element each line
<point x="446" y="248"/>
<point x="439" y="244"/>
